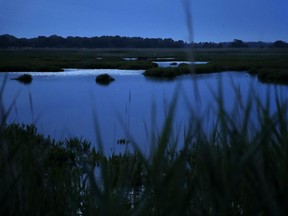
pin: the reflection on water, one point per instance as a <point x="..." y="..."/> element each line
<point x="130" y="59"/>
<point x="81" y="72"/>
<point x="175" y="63"/>
<point x="70" y="103"/>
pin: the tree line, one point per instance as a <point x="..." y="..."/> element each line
<point x="55" y="41"/>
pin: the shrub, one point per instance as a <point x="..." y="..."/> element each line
<point x="104" y="79"/>
<point x="25" y="78"/>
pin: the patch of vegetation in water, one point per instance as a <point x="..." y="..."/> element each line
<point x="104" y="79"/>
<point x="168" y="72"/>
<point x="279" y="76"/>
<point x="24" y="78"/>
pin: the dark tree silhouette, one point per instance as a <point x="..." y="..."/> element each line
<point x="238" y="44"/>
<point x="279" y="44"/>
<point x="55" y="41"/>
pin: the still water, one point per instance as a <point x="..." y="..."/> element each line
<point x="175" y="63"/>
<point x="70" y="103"/>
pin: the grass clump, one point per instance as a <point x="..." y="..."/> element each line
<point x="273" y="76"/>
<point x="104" y="79"/>
<point x="25" y="78"/>
<point x="168" y="72"/>
<point x="40" y="176"/>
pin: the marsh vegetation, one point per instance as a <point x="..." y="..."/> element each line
<point x="25" y="78"/>
<point x="269" y="64"/>
<point x="104" y="79"/>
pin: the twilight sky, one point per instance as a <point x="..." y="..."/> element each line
<point x="212" y="20"/>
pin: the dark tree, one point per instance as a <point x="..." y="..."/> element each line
<point x="279" y="44"/>
<point x="238" y="44"/>
<point x="7" y="41"/>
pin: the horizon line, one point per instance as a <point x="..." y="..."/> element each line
<point x="162" y="38"/>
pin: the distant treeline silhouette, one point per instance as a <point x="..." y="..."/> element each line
<point x="54" y="41"/>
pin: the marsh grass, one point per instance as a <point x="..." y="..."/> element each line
<point x="104" y="79"/>
<point x="270" y="65"/>
<point x="25" y="78"/>
<point x="55" y="60"/>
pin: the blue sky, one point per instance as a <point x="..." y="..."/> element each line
<point x="212" y="20"/>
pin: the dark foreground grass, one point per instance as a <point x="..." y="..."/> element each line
<point x="238" y="168"/>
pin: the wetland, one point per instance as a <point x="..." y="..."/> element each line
<point x="190" y="139"/>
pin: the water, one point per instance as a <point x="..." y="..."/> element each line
<point x="71" y="103"/>
<point x="175" y="63"/>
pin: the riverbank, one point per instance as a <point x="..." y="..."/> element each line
<point x="269" y="64"/>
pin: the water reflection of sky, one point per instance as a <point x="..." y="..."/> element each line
<point x="175" y="63"/>
<point x="82" y="72"/>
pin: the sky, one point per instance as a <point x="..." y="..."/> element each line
<point x="210" y="20"/>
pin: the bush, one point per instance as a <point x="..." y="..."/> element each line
<point x="277" y="76"/>
<point x="168" y="72"/>
<point x="25" y="78"/>
<point x="104" y="79"/>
